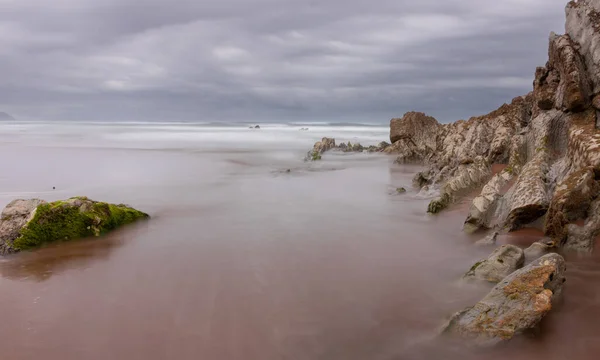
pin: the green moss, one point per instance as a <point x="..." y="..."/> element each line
<point x="73" y="219"/>
<point x="316" y="156"/>
<point x="475" y="266"/>
<point x="439" y="204"/>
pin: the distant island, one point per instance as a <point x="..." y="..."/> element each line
<point x="5" y="116"/>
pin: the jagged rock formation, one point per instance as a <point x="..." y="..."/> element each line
<point x="517" y="304"/>
<point x="27" y="224"/>
<point x="547" y="140"/>
<point x="327" y="144"/>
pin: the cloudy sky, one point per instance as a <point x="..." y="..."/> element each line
<point x="268" y="60"/>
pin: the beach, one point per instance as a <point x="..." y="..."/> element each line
<point x="251" y="252"/>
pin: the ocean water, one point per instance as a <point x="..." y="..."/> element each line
<point x="245" y="260"/>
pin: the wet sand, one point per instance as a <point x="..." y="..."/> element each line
<point x="243" y="260"/>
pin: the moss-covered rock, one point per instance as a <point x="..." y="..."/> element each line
<point x="71" y="219"/>
<point x="439" y="204"/>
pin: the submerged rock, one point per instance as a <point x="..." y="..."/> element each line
<point x="537" y="250"/>
<point x="517" y="304"/>
<point x="488" y="240"/>
<point x="502" y="262"/>
<point x="27" y="224"/>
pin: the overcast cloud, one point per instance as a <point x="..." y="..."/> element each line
<point x="268" y="60"/>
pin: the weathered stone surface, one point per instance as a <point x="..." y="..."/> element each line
<point x="14" y="216"/>
<point x="529" y="201"/>
<point x="582" y="238"/>
<point x="27" y="224"/>
<point x="418" y="127"/>
<point x="573" y="90"/>
<point x="501" y="263"/>
<point x="571" y="201"/>
<point x="515" y="305"/>
<point x="583" y="27"/>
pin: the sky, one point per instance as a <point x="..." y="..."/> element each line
<point x="269" y="60"/>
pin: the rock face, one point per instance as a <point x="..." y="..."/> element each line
<point x="517" y="304"/>
<point x="27" y="224"/>
<point x="548" y="142"/>
<point x="14" y="216"/>
<point x="501" y="263"/>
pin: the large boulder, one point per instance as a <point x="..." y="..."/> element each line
<point x="422" y="129"/>
<point x="27" y="224"/>
<point x="515" y="305"/>
<point x="502" y="262"/>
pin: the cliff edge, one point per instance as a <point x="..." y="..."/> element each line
<point x="545" y="143"/>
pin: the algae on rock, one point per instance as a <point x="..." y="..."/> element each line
<point x="70" y="219"/>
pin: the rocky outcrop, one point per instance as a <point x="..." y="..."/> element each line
<point x="501" y="263"/>
<point x="27" y="224"/>
<point x="548" y="142"/>
<point x="327" y="144"/>
<point x="517" y="304"/>
<point x="415" y="126"/>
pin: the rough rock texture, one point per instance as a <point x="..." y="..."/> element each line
<point x="416" y="126"/>
<point x="14" y="216"/>
<point x="548" y="141"/>
<point x="28" y="224"/>
<point x="327" y="144"/>
<point x="517" y="304"/>
<point x="501" y="263"/>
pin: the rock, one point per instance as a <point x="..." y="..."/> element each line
<point x="422" y="129"/>
<point x="529" y="200"/>
<point x="14" y="216"/>
<point x="257" y="127"/>
<point x="27" y="224"/>
<point x="582" y="238"/>
<point x="401" y="190"/>
<point x="537" y="250"/>
<point x="573" y="89"/>
<point x="501" y="263"/>
<point x="488" y="240"/>
<point x="571" y="201"/>
<point x="515" y="305"/>
<point x="319" y="148"/>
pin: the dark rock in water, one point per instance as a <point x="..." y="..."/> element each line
<point x="502" y="262"/>
<point x="5" y="116"/>
<point x="401" y="190"/>
<point x="515" y="305"/>
<point x="27" y="224"/>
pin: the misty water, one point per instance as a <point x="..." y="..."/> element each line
<point x="244" y="259"/>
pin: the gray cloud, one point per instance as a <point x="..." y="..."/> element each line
<point x="227" y="60"/>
